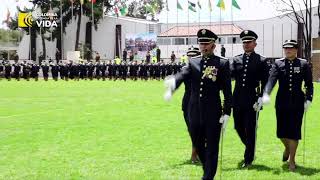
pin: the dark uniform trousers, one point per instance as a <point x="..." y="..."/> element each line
<point x="205" y="109"/>
<point x="251" y="74"/>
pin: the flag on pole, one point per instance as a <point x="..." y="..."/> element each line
<point x="179" y="5"/>
<point x="81" y="2"/>
<point x="235" y="4"/>
<point x="199" y="5"/>
<point x="124" y="10"/>
<point x="221" y="5"/>
<point x="192" y="6"/>
<point x="210" y="5"/>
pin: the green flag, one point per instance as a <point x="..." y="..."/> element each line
<point x="221" y="5"/>
<point x="199" y="4"/>
<point x="179" y="5"/>
<point x="192" y="6"/>
<point x="124" y="10"/>
<point x="235" y="4"/>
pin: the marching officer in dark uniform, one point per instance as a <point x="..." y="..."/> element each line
<point x="16" y="70"/>
<point x="54" y="71"/>
<point x="169" y="68"/>
<point x="291" y="101"/>
<point x="35" y="71"/>
<point x="192" y="52"/>
<point x="61" y="69"/>
<point x="7" y="69"/>
<point x="90" y="70"/>
<point x="25" y="70"/>
<point x="162" y="69"/>
<point x="250" y="71"/>
<point x="45" y="71"/>
<point x="208" y="74"/>
<point x="103" y="68"/>
<point x="157" y="71"/>
<point x="98" y="69"/>
<point x="1" y="69"/>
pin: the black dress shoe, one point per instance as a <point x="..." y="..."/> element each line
<point x="246" y="165"/>
<point x="285" y="158"/>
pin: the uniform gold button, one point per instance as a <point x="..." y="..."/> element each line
<point x="244" y="75"/>
<point x="200" y="89"/>
<point x="290" y="89"/>
<point x="246" y="65"/>
<point x="200" y="95"/>
<point x="204" y="66"/>
<point x="244" y="79"/>
<point x="245" y="70"/>
<point x="243" y="85"/>
<point x="290" y="75"/>
<point x="290" y="84"/>
<point x="201" y="83"/>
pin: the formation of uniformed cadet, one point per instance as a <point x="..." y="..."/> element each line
<point x="208" y="75"/>
<point x="250" y="72"/>
<point x="45" y="70"/>
<point x="16" y="70"/>
<point x="291" y="100"/>
<point x="35" y="68"/>
<point x="192" y="52"/>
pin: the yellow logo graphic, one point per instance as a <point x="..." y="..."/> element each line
<point x="25" y="19"/>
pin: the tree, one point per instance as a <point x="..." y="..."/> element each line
<point x="302" y="15"/>
<point x="144" y="8"/>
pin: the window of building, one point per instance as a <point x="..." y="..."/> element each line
<point x="178" y="41"/>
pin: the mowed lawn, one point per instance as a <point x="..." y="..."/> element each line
<point x="124" y="130"/>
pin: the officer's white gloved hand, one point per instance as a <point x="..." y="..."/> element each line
<point x="257" y="106"/>
<point x="170" y="85"/>
<point x="307" y="104"/>
<point x="265" y="99"/>
<point x="224" y="120"/>
<point x="167" y="95"/>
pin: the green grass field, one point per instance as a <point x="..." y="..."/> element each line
<point x="124" y="130"/>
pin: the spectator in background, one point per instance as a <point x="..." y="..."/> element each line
<point x="148" y="57"/>
<point x="124" y="54"/>
<point x="173" y="56"/>
<point x="223" y="51"/>
<point x="158" y="54"/>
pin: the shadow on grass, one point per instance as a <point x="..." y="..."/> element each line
<point x="186" y="163"/>
<point x="257" y="167"/>
<point x="305" y="171"/>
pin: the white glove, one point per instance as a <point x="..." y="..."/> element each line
<point x="167" y="95"/>
<point x="170" y="84"/>
<point x="265" y="99"/>
<point x="224" y="120"/>
<point x="307" y="104"/>
<point x="257" y="106"/>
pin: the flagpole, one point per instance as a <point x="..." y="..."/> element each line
<point x="30" y="43"/>
<point x="92" y="27"/>
<point x="232" y="30"/>
<point x="61" y="31"/>
<point x="220" y="23"/>
<point x="71" y="11"/>
<point x="167" y="27"/>
<point x="102" y="9"/>
<point x="199" y="16"/>
<point x="177" y="26"/>
<point x="188" y="25"/>
<point x="8" y="39"/>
